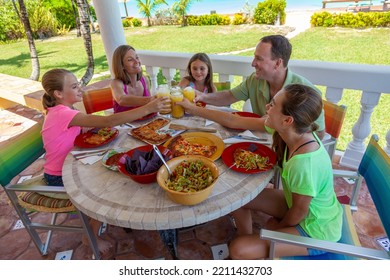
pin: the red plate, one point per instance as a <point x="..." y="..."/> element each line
<point x="200" y="104"/>
<point x="264" y="151"/>
<point x="80" y="139"/>
<point x="146" y="117"/>
<point x="247" y="115"/>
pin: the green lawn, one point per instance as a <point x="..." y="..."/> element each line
<point x="366" y="46"/>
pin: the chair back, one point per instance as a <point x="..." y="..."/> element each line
<point x="17" y="153"/>
<point x="375" y="168"/>
<point x="96" y="100"/>
<point x="334" y="118"/>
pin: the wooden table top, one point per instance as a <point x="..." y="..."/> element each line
<point x="114" y="198"/>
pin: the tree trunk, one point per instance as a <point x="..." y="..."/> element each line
<point x="33" y="51"/>
<point x="83" y="7"/>
<point x="127" y="14"/>
<point x="76" y="16"/>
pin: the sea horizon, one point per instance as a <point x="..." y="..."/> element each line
<point x="230" y="6"/>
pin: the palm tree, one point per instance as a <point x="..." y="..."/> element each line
<point x="84" y="17"/>
<point x="27" y="28"/>
<point x="124" y="3"/>
<point x="181" y="8"/>
<point x="147" y="7"/>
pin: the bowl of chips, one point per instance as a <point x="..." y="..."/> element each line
<point x="192" y="180"/>
<point x="142" y="163"/>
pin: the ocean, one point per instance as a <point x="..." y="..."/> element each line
<point x="230" y="6"/>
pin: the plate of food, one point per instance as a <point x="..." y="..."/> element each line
<point x="149" y="133"/>
<point x="249" y="157"/>
<point x="196" y="143"/>
<point x="246" y="115"/>
<point x="96" y="137"/>
<point x="200" y="104"/>
<point x="111" y="158"/>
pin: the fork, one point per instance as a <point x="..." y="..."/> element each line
<point x="99" y="153"/>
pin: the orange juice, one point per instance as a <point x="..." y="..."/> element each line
<point x="163" y="91"/>
<point x="189" y="93"/>
<point x="177" y="110"/>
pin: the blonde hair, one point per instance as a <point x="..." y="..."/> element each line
<point x="117" y="64"/>
<point x="53" y="80"/>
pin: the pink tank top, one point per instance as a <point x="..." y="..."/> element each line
<point x="118" y="108"/>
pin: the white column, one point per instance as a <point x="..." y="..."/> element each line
<point x="361" y="130"/>
<point x="110" y="25"/>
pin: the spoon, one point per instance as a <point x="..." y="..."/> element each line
<point x="162" y="159"/>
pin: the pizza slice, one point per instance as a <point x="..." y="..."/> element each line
<point x="148" y="132"/>
<point x="179" y="146"/>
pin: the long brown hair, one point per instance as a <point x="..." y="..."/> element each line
<point x="53" y="80"/>
<point x="118" y="67"/>
<point x="304" y="104"/>
<point x="205" y="59"/>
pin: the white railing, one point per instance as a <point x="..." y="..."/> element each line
<point x="372" y="80"/>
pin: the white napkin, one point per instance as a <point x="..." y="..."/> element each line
<point x="91" y="160"/>
<point x="237" y="139"/>
<point x="208" y="122"/>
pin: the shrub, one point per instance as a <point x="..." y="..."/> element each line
<point x="62" y="10"/>
<point x="267" y="12"/>
<point x="127" y="22"/>
<point x="358" y="20"/>
<point x="213" y="19"/>
<point x="239" y="19"/>
<point x="137" y="22"/>
<point x="322" y="19"/>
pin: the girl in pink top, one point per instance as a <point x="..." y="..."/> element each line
<point x="63" y="123"/>
<point x="200" y="74"/>
<point x="129" y="88"/>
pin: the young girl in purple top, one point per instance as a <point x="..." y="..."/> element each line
<point x="129" y="87"/>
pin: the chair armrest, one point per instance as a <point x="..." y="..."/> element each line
<point x="334" y="247"/>
<point x="346" y="174"/>
<point x="36" y="188"/>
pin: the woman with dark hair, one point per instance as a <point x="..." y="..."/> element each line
<point x="307" y="204"/>
<point x="129" y="87"/>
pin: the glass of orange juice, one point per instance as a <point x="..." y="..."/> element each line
<point x="189" y="93"/>
<point x="177" y="110"/>
<point x="163" y="91"/>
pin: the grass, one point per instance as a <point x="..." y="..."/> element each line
<point x="367" y="46"/>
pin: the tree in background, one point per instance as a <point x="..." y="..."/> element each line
<point x="147" y="7"/>
<point x="124" y="3"/>
<point x="33" y="51"/>
<point x="84" y="16"/>
<point x="181" y="8"/>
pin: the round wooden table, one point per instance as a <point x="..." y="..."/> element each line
<point x="113" y="198"/>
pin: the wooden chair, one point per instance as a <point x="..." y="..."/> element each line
<point x="334" y="119"/>
<point x="96" y="100"/>
<point x="34" y="195"/>
<point x="375" y="169"/>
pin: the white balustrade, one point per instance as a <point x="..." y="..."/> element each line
<point x="372" y="80"/>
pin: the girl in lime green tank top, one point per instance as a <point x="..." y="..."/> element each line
<point x="307" y="205"/>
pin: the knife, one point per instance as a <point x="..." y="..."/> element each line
<point x="250" y="138"/>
